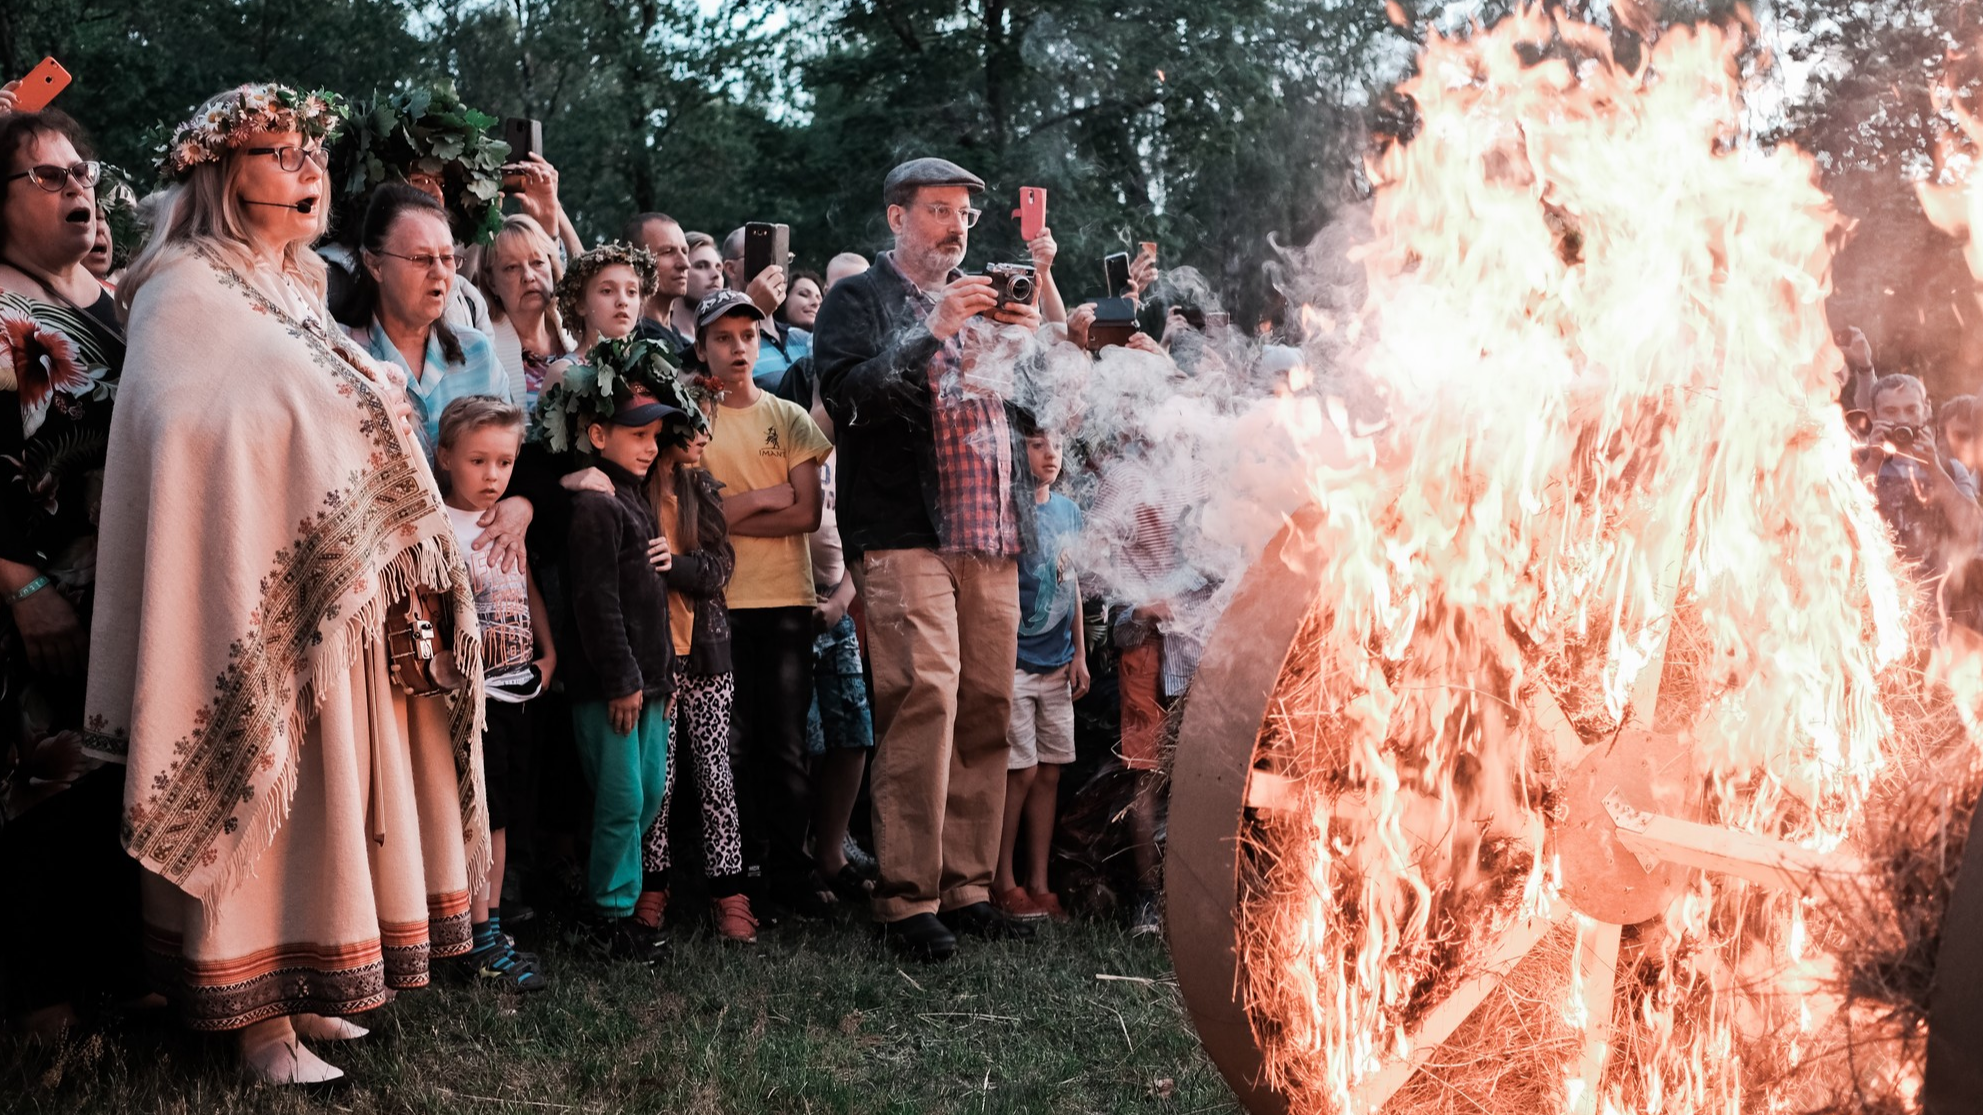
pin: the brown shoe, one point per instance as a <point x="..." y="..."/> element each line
<point x="1015" y="903"/>
<point x="1049" y="904"/>
<point x="650" y="908"/>
<point x="734" y="920"/>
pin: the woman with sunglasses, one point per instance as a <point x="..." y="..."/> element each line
<point x="409" y="265"/>
<point x="306" y="825"/>
<point x="61" y="351"/>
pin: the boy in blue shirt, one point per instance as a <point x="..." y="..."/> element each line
<point x="1050" y="675"/>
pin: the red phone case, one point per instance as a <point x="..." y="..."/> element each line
<point x="40" y="86"/>
<point x="1032" y="212"/>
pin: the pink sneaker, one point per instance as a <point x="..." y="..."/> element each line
<point x="1049" y="904"/>
<point x="1016" y="903"/>
<point x="650" y="908"/>
<point x="734" y="920"/>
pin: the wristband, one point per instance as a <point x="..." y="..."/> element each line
<point x="31" y="588"/>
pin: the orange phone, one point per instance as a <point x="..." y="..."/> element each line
<point x="40" y="86"/>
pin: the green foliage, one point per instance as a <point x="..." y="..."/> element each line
<point x="1211" y="128"/>
<point x="1218" y="129"/>
<point x="593" y="388"/>
<point x="427" y="130"/>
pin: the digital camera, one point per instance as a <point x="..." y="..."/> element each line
<point x="1013" y="282"/>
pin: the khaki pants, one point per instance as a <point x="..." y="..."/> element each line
<point x="942" y="630"/>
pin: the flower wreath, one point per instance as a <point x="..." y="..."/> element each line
<point x="429" y="131"/>
<point x="571" y="288"/>
<point x="238" y="118"/>
<point x="611" y="370"/>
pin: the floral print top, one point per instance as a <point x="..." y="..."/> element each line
<point x="58" y="379"/>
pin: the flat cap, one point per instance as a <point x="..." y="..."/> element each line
<point x="901" y="182"/>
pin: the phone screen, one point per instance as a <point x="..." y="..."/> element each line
<point x="1115" y="274"/>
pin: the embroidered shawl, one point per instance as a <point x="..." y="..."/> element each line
<point x="261" y="510"/>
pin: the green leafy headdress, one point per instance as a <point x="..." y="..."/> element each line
<point x="612" y="371"/>
<point x="390" y="136"/>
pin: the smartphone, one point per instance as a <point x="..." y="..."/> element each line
<point x="1115" y="274"/>
<point x="765" y="245"/>
<point x="525" y="137"/>
<point x="1032" y="213"/>
<point x="40" y="86"/>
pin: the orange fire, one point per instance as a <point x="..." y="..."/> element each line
<point x="1616" y="494"/>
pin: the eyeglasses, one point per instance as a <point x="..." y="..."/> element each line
<point x="290" y="159"/>
<point x="450" y="262"/>
<point x="946" y="213"/>
<point x="53" y="178"/>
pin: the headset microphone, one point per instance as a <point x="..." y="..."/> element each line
<point x="304" y="207"/>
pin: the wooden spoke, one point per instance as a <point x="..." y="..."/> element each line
<point x="1516" y="942"/>
<point x="1759" y="859"/>
<point x="1597" y="986"/>
<point x="1547" y="716"/>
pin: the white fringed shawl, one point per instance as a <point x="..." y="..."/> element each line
<point x="261" y="510"/>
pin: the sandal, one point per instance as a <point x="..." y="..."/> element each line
<point x="850" y="884"/>
<point x="510" y="970"/>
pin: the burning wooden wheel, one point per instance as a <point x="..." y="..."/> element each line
<point x="1614" y="820"/>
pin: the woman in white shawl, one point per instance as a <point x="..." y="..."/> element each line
<point x="307" y="829"/>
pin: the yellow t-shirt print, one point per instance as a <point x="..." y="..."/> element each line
<point x="755" y="447"/>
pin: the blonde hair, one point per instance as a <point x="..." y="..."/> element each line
<point x="525" y="232"/>
<point x="204" y="212"/>
<point x="472" y="412"/>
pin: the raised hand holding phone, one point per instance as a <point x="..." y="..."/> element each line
<point x="33" y="92"/>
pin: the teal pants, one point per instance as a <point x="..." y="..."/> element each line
<point x="628" y="774"/>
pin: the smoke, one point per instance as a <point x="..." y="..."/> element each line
<point x="1188" y="465"/>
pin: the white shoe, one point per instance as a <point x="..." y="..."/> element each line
<point x="316" y="1027"/>
<point x="273" y="1054"/>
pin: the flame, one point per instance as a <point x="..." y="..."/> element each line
<point x="1613" y="468"/>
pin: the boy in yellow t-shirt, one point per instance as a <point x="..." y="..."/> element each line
<point x="766" y="452"/>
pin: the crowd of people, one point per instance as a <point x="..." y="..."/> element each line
<point x="384" y="575"/>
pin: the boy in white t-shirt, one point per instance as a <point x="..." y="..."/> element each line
<point x="480" y="437"/>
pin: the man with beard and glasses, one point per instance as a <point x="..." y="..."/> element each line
<point x="914" y="357"/>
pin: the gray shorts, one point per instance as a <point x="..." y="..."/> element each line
<point x="1042" y="729"/>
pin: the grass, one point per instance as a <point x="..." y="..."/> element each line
<point x="814" y="1019"/>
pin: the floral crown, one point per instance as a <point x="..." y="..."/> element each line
<point x="612" y="370"/>
<point x="238" y="117"/>
<point x="571" y="288"/>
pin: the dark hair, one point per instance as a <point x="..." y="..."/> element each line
<point x="389" y="202"/>
<point x="699" y="508"/>
<point x="638" y="223"/>
<point x="818" y="283"/>
<point x="19" y="129"/>
<point x="1024" y="424"/>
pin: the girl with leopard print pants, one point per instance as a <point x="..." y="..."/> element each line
<point x="696" y="559"/>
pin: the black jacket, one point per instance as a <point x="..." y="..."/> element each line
<point x="702" y="576"/>
<point x="617" y="637"/>
<point x="872" y="356"/>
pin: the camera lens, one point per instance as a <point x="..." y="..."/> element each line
<point x="1901" y="436"/>
<point x="1020" y="288"/>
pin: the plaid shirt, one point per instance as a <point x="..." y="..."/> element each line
<point x="973" y="448"/>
